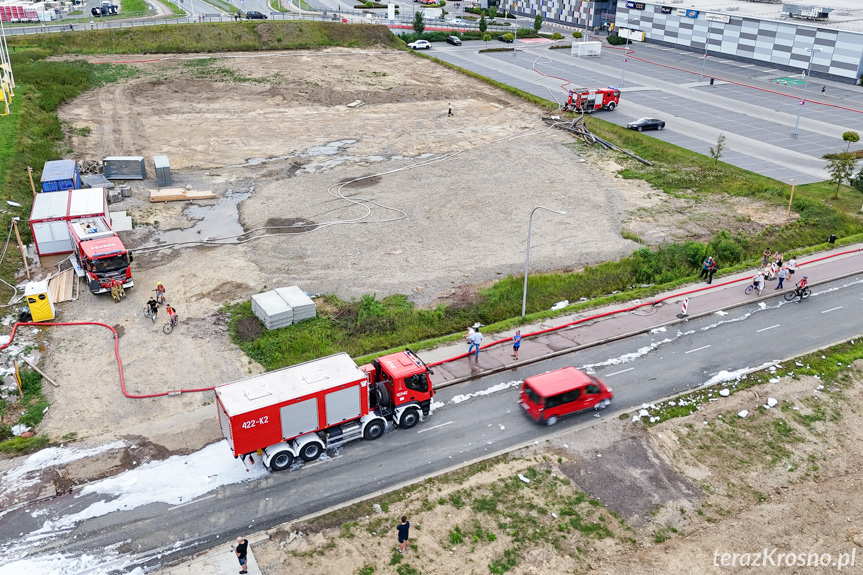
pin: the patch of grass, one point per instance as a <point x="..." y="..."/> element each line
<point x="406" y="569"/>
<point x="277" y="6"/>
<point x="134" y="6"/>
<point x="396" y="558"/>
<point x="174" y="8"/>
<point x="348" y="529"/>
<point x="366" y="570"/>
<point x="33" y="401"/>
<point x="456" y="536"/>
<point x="104" y="74"/>
<point x="22" y="445"/>
<point x="505" y="564"/>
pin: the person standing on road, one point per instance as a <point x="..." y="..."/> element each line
<point x="823" y="90"/>
<point x="516" y="343"/>
<point x="241" y="550"/>
<point x="475" y="340"/>
<point x="783" y="273"/>
<point x="403" y="529"/>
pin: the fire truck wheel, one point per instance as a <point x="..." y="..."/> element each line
<point x="409" y="418"/>
<point x="610" y="106"/>
<point x="281" y="461"/>
<point x="311" y="451"/>
<point x="374" y="430"/>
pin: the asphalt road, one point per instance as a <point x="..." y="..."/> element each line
<point x="641" y="369"/>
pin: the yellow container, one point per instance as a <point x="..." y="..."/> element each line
<point x="41" y="306"/>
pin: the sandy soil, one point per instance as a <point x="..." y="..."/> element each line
<point x="684" y="490"/>
<point x="443" y="203"/>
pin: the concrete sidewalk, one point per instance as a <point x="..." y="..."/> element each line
<point x="722" y="295"/>
<point x="219" y="560"/>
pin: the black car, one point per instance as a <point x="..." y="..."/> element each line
<point x="646" y="124"/>
<point x="503" y="38"/>
<point x="100" y="10"/>
<point x="454" y="40"/>
<point x="255" y="15"/>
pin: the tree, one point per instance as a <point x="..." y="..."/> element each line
<point x="419" y="23"/>
<point x="840" y="167"/>
<point x="537" y="22"/>
<point x="851" y="138"/>
<point x="483" y="25"/>
<point x="716" y="152"/>
<point x="486" y="38"/>
<point x="492" y="12"/>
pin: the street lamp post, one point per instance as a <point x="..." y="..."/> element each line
<point x="706" y="44"/>
<point x="527" y="254"/>
<point x="805" y="85"/>
<point x="625" y="52"/>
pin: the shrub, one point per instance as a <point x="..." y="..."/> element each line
<point x="577" y="34"/>
<point x="557" y="36"/>
<point x="616" y="40"/>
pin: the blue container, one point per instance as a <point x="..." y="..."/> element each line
<point x="60" y="175"/>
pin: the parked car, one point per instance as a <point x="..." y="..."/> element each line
<point x="454" y="40"/>
<point x="506" y="37"/>
<point x="549" y="396"/>
<point x="646" y="124"/>
<point x="255" y="15"/>
<point x="420" y="45"/>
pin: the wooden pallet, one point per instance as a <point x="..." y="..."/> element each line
<point x="60" y="286"/>
<point x="179" y="194"/>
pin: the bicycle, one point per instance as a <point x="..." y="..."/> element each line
<point x="802" y="294"/>
<point x="173" y="321"/>
<point x="750" y="287"/>
<point x="150" y="313"/>
<point x="160" y="297"/>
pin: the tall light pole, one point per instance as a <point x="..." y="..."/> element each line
<point x="625" y="51"/>
<point x="527" y="255"/>
<point x="706" y="44"/>
<point x="805" y="85"/>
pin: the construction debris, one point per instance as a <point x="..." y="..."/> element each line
<point x="180" y="194"/>
<point x="60" y="286"/>
<point x="578" y="128"/>
<point x="89" y="167"/>
<point x="355" y="104"/>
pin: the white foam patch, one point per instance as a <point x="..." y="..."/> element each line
<point x="725" y="375"/>
<point x="489" y="391"/>
<point x="29" y="471"/>
<point x="190" y="476"/>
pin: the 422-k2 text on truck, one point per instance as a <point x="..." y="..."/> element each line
<point x="305" y="409"/>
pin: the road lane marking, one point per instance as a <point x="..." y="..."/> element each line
<point x="424" y="429"/>
<point x="832" y="309"/>
<point x="766" y="328"/>
<point x="619" y="372"/>
<point x="192" y="501"/>
<point x="698" y="349"/>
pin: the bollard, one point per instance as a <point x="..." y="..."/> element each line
<point x="683" y="313"/>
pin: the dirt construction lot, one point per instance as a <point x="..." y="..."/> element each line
<point x="436" y="202"/>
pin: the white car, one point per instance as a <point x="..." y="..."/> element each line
<point x="420" y="45"/>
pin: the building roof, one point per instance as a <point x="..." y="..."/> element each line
<point x="846" y="14"/>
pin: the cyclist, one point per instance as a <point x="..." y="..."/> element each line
<point x="758" y="281"/>
<point x="172" y="314"/>
<point x="154" y="307"/>
<point x="801" y="285"/>
<point x="160" y="292"/>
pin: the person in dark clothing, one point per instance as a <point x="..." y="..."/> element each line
<point x="241" y="549"/>
<point x="711" y="270"/>
<point x="403" y="529"/>
<point x="705" y="267"/>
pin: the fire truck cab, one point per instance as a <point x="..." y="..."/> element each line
<point x="585" y="100"/>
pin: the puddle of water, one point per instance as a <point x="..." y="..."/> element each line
<point x="213" y="221"/>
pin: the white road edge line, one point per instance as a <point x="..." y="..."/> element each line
<point x="766" y="328"/>
<point x="424" y="429"/>
<point x="193" y="501"/>
<point x="832" y="309"/>
<point x="619" y="372"/>
<point x="698" y="348"/>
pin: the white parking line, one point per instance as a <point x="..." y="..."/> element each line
<point x="832" y="309"/>
<point x="619" y="372"/>
<point x="766" y="328"/>
<point x="698" y="349"/>
<point x="424" y="429"/>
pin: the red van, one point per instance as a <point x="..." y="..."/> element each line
<point x="550" y="396"/>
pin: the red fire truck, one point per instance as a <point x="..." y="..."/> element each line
<point x="305" y="409"/>
<point x="583" y="99"/>
<point x="100" y="253"/>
